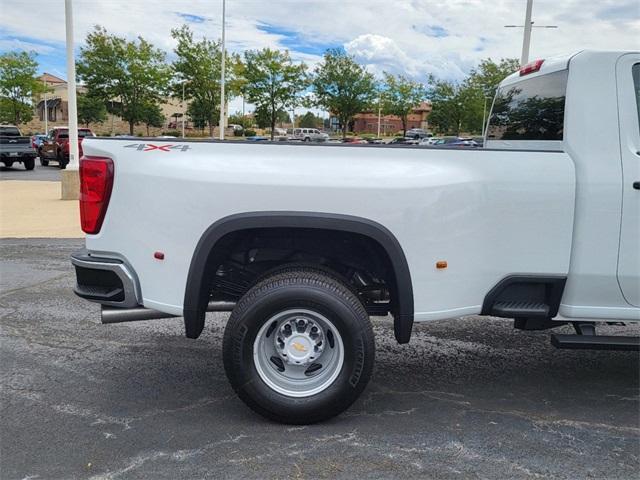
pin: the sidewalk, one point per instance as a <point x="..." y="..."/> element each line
<point x="33" y="209"/>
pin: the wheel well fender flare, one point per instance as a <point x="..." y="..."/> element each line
<point x="197" y="291"/>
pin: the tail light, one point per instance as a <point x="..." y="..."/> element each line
<point x="96" y="182"/>
<point x="531" y="67"/>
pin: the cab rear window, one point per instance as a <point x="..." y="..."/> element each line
<point x="532" y="109"/>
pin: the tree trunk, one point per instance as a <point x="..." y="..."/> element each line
<point x="404" y="126"/>
<point x="147" y="129"/>
<point x="273" y="123"/>
<point x="131" y="127"/>
<point x="345" y="125"/>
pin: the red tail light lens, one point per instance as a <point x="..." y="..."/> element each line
<point x="531" y="67"/>
<point x="96" y="181"/>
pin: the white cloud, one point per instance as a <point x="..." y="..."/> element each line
<point x="444" y="37"/>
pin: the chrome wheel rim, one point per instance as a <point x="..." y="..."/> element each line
<point x="298" y="353"/>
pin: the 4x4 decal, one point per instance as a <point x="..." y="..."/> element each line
<point x="166" y="147"/>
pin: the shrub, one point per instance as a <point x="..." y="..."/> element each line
<point x="249" y="133"/>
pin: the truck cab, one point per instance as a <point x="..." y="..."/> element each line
<point x="553" y="105"/>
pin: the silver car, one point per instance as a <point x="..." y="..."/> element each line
<point x="308" y="135"/>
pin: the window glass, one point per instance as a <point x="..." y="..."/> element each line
<point x="635" y="71"/>
<point x="9" y="131"/>
<point x="532" y="109"/>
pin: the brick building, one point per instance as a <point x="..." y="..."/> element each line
<point x="367" y="122"/>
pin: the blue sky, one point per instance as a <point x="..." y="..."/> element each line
<point x="413" y="37"/>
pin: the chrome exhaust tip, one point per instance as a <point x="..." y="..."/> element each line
<point x="121" y="315"/>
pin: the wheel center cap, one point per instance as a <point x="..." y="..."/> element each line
<point x="298" y="347"/>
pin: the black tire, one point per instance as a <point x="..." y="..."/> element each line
<point x="43" y="161"/>
<point x="314" y="290"/>
<point x="8" y="164"/>
<point x="29" y="163"/>
<point x="307" y="139"/>
<point x="62" y="162"/>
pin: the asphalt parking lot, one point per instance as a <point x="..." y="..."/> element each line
<point x="17" y="172"/>
<point x="467" y="398"/>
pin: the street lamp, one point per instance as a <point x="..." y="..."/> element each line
<point x="222" y="77"/>
<point x="528" y="25"/>
<point x="484" y="114"/>
<point x="70" y="178"/>
<point x="379" y="113"/>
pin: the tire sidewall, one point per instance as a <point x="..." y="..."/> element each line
<point x="343" y="390"/>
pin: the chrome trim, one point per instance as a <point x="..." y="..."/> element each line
<point x="132" y="294"/>
<point x="120" y="315"/>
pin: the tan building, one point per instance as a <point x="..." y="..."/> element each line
<point x="57" y="112"/>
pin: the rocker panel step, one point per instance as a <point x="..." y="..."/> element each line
<point x="596" y="342"/>
<point x="520" y="309"/>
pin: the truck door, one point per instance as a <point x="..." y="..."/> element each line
<point x="628" y="77"/>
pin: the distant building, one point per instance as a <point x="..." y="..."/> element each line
<point x="367" y="122"/>
<point x="57" y="112"/>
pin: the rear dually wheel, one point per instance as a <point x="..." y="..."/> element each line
<point x="299" y="347"/>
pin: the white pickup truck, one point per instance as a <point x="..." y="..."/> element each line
<point x="302" y="243"/>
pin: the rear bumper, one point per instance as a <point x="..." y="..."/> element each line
<point x="18" y="155"/>
<point x="108" y="281"/>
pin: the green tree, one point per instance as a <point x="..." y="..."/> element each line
<point x="262" y="116"/>
<point x="239" y="119"/>
<point x="199" y="112"/>
<point x="91" y="110"/>
<point x="133" y="73"/>
<point x="447" y="105"/>
<point x="488" y="74"/>
<point x="400" y="96"/>
<point x="273" y="83"/>
<point x="309" y="120"/>
<point x="342" y="87"/>
<point x="18" y="86"/>
<point x="151" y="116"/>
<point x="198" y="63"/>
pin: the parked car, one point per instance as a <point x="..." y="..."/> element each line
<point x="309" y="135"/>
<point x="37" y="139"/>
<point x="403" y="140"/>
<point x="56" y="146"/>
<point x="304" y="244"/>
<point x="464" y="142"/>
<point x="353" y="140"/>
<point x="15" y="148"/>
<point x="430" y="140"/>
<point x="417" y="133"/>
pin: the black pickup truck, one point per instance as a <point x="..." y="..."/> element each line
<point x="16" y="148"/>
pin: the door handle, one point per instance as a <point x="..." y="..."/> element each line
<point x="636" y="185"/>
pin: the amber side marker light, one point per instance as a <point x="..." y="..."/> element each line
<point x="441" y="264"/>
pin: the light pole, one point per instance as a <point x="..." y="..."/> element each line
<point x="484" y="114"/>
<point x="46" y="112"/>
<point x="70" y="178"/>
<point x="222" y="76"/>
<point x="379" y="113"/>
<point x="528" y="25"/>
<point x="184" y="111"/>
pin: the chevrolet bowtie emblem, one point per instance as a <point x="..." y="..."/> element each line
<point x="299" y="347"/>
